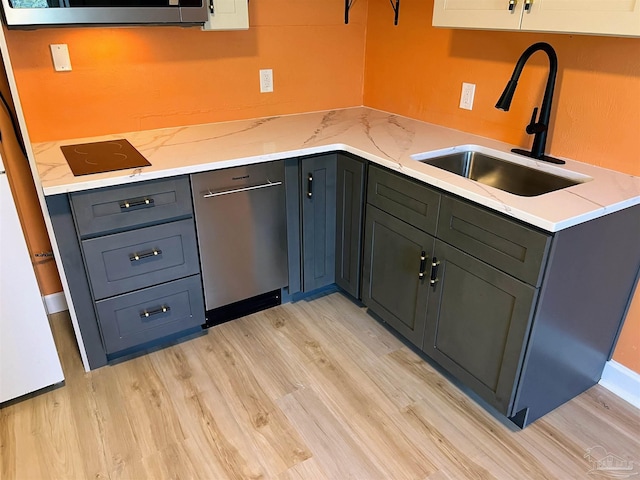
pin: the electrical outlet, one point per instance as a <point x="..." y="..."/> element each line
<point x="466" y="97"/>
<point x="266" y="80"/>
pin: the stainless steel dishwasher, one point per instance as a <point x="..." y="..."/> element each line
<point x="242" y="238"/>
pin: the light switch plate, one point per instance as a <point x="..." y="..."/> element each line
<point x="60" y="56"/>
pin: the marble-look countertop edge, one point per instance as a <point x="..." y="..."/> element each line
<point x="375" y="133"/>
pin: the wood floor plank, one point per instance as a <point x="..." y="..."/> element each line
<point x="149" y="405"/>
<point x="54" y="437"/>
<point x="119" y="444"/>
<point x="334" y="447"/>
<point x="481" y="430"/>
<point x="276" y="368"/>
<point x="307" y="470"/>
<point x="8" y="442"/>
<point x="277" y="444"/>
<point x="227" y="447"/>
<point x="346" y="389"/>
<point x="317" y="389"/>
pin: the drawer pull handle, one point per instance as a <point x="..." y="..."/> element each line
<point x="434" y="271"/>
<point x="240" y="190"/>
<point x="527" y="5"/>
<point x="129" y="205"/>
<point x="512" y="5"/>
<point x="423" y="264"/>
<point x="155" y="311"/>
<point x="134" y="257"/>
<point x="310" y="185"/>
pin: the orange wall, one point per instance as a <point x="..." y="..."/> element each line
<point x="126" y="79"/>
<point x="417" y="70"/>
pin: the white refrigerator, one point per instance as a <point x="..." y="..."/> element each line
<point x="28" y="357"/>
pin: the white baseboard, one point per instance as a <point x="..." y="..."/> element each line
<point x="55" y="303"/>
<point x="622" y="381"/>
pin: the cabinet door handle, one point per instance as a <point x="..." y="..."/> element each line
<point x="136" y="203"/>
<point x="310" y="185"/>
<point x="512" y="5"/>
<point x="434" y="271"/>
<point x="527" y="5"/>
<point x="156" y="311"/>
<point x="134" y="257"/>
<point x="423" y="264"/>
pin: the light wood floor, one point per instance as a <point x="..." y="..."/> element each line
<point x="311" y="390"/>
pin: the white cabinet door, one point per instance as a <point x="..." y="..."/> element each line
<point x="489" y="14"/>
<point x="600" y="17"/>
<point x="597" y="17"/>
<point x="228" y="15"/>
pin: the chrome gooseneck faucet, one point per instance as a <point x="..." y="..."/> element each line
<point x="540" y="126"/>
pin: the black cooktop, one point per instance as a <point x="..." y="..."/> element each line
<point x="99" y="157"/>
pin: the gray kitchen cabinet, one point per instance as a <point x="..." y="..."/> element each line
<point x="395" y="284"/>
<point x="465" y="303"/>
<point x="130" y="257"/>
<point x="349" y="213"/>
<point x="404" y="198"/>
<point x="324" y="202"/>
<point x="477" y="321"/>
<point x="507" y="245"/>
<point x="318" y="178"/>
<point x="524" y="318"/>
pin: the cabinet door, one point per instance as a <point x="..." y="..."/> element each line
<point x="227" y="15"/>
<point x="478" y="320"/>
<point x="349" y="208"/>
<point x="605" y="17"/>
<point x="318" y="185"/>
<point x="491" y="14"/>
<point x="392" y="285"/>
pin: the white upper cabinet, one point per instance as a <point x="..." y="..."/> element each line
<point x="490" y="14"/>
<point x="600" y="17"/>
<point x="597" y="17"/>
<point x="227" y="15"/>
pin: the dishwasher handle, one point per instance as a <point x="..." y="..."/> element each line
<point x="238" y="190"/>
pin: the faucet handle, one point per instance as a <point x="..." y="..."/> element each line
<point x="534" y="126"/>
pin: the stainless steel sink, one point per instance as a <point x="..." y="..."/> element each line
<point x="495" y="172"/>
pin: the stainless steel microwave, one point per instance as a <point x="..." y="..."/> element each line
<point x="33" y="13"/>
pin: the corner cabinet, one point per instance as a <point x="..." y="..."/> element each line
<point x="318" y="176"/>
<point x="349" y="214"/>
<point x="324" y="196"/>
<point x="596" y="17"/>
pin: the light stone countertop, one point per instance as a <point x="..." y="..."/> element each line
<point x="383" y="138"/>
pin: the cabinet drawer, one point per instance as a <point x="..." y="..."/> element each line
<point x="139" y="317"/>
<point x="118" y="208"/>
<point x="509" y="246"/>
<point x="404" y="198"/>
<point x="140" y="258"/>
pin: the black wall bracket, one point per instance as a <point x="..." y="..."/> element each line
<point x="396" y="10"/>
<point x="395" y="5"/>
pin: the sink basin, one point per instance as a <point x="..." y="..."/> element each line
<point x="498" y="173"/>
